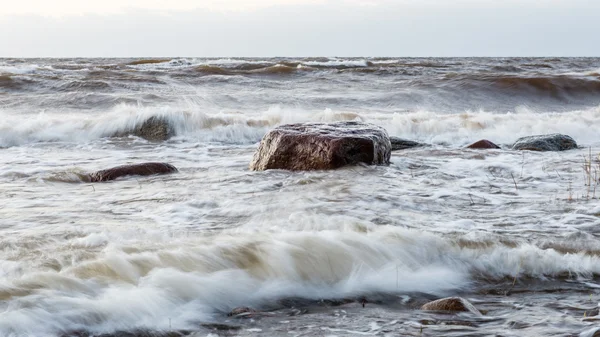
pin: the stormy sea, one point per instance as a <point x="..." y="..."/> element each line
<point x="216" y="249"/>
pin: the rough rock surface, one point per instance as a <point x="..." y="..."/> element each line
<point x="322" y="146"/>
<point x="451" y="304"/>
<point x="401" y="144"/>
<point x="483" y="144"/>
<point x="154" y="129"/>
<point x="552" y="142"/>
<point x="144" y="169"/>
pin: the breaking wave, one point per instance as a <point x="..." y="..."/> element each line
<point x="455" y="129"/>
<point x="125" y="286"/>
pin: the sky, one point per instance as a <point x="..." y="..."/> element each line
<point x="235" y="28"/>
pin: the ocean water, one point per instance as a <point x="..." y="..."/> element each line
<point x="516" y="233"/>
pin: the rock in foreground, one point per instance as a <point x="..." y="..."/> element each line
<point x="552" y="142"/>
<point x="144" y="169"/>
<point x="483" y="144"/>
<point x="402" y="144"/>
<point x="322" y="146"/>
<point x="456" y="304"/>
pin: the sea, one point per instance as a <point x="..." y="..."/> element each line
<point x="349" y="252"/>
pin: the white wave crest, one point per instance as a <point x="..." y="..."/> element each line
<point x="129" y="287"/>
<point x="194" y="124"/>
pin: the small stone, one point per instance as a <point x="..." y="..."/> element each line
<point x="144" y="169"/>
<point x="483" y="144"/>
<point x="455" y="304"/>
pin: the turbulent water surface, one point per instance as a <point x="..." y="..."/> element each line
<point x="514" y="232"/>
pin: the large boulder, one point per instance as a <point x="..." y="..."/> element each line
<point x="144" y="169"/>
<point x="322" y="146"/>
<point x="483" y="144"/>
<point x="552" y="142"/>
<point x="402" y="144"/>
<point x="155" y="129"/>
<point x="451" y="304"/>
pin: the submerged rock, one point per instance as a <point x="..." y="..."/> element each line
<point x="144" y="169"/>
<point x="322" y="146"/>
<point x="552" y="142"/>
<point x="456" y="304"/>
<point x="401" y="144"/>
<point x="483" y="144"/>
<point x="154" y="129"/>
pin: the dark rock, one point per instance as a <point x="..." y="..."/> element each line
<point x="135" y="333"/>
<point x="402" y="144"/>
<point x="483" y="144"/>
<point x="552" y="142"/>
<point x="456" y="304"/>
<point x="321" y="146"/>
<point x="242" y="312"/>
<point x="144" y="169"/>
<point x="154" y="129"/>
<point x="220" y="326"/>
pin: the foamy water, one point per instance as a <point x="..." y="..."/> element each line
<point x="514" y="232"/>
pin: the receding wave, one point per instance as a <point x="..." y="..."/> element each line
<point x="213" y="70"/>
<point x="276" y="69"/>
<point x="84" y="85"/>
<point x="12" y="82"/>
<point x="6" y="81"/>
<point x="560" y="86"/>
<point x="148" y="61"/>
<point x="247" y="70"/>
<point x="553" y="85"/>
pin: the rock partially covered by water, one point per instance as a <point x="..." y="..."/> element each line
<point x="154" y="129"/>
<point x="144" y="169"/>
<point x="455" y="304"/>
<point x="322" y="146"/>
<point x="242" y="312"/>
<point x="552" y="142"/>
<point x="133" y="333"/>
<point x="402" y="144"/>
<point x="483" y="144"/>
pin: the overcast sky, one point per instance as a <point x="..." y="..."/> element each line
<point x="152" y="28"/>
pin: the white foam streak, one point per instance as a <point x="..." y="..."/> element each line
<point x="502" y="128"/>
<point x="452" y="129"/>
<point x="338" y="63"/>
<point x="147" y="288"/>
<point x="18" y="70"/>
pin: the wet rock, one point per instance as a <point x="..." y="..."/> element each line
<point x="552" y="142"/>
<point x="242" y="312"/>
<point x="144" y="169"/>
<point x="220" y="326"/>
<point x="402" y="144"/>
<point x="456" y="304"/>
<point x="135" y="333"/>
<point x="154" y="129"/>
<point x="322" y="146"/>
<point x="483" y="144"/>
